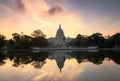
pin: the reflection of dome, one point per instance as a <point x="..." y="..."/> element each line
<point x="60" y="57"/>
<point x="60" y="62"/>
<point x="60" y="33"/>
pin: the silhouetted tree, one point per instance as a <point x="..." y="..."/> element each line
<point x="39" y="42"/>
<point x="20" y="41"/>
<point x="116" y="40"/>
<point x="10" y="43"/>
<point x="38" y="39"/>
<point x="2" y="41"/>
<point x="96" y="39"/>
<point x="80" y="41"/>
<point x="38" y="33"/>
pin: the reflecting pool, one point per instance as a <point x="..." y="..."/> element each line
<point x="60" y="65"/>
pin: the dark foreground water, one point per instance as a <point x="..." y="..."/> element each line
<point x="60" y="66"/>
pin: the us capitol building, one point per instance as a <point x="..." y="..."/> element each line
<point x="60" y="40"/>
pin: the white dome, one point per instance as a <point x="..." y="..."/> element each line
<point x="60" y="33"/>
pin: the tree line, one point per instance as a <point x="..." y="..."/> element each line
<point x="37" y="39"/>
<point x="22" y="41"/>
<point x="96" y="39"/>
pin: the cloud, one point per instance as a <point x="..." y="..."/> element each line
<point x="20" y="4"/>
<point x="55" y="10"/>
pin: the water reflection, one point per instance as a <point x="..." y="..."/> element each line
<point x="60" y="57"/>
<point x="2" y="58"/>
<point x="39" y="59"/>
<point x="45" y="60"/>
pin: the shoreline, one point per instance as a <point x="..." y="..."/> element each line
<point x="53" y="49"/>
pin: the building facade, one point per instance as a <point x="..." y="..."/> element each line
<point x="60" y="40"/>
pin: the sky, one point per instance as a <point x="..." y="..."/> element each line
<point x="75" y="16"/>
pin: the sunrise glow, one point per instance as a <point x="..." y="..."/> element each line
<point x="29" y="15"/>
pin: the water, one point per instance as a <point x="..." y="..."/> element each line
<point x="60" y="66"/>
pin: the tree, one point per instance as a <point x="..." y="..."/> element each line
<point x="38" y="39"/>
<point x="10" y="43"/>
<point x="108" y="42"/>
<point x="79" y="40"/>
<point x="39" y="42"/>
<point x="116" y="40"/>
<point x="96" y="39"/>
<point x="20" y="41"/>
<point x="38" y="33"/>
<point x="2" y="41"/>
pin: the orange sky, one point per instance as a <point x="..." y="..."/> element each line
<point x="29" y="15"/>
